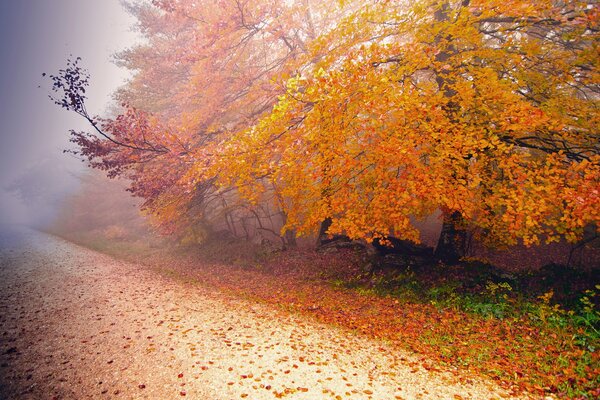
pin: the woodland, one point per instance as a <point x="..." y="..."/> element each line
<point x="354" y="124"/>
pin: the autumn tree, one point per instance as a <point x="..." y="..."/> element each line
<point x="367" y="115"/>
<point x="205" y="70"/>
<point x="487" y="110"/>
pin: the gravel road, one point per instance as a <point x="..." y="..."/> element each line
<point x="77" y="324"/>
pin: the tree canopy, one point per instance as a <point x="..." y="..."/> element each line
<point x="370" y="114"/>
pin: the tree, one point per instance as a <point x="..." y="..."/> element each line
<point x="206" y="69"/>
<point x="487" y="110"/>
<point x="365" y="115"/>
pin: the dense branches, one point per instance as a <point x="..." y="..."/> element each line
<point x="490" y="112"/>
<point x="368" y="114"/>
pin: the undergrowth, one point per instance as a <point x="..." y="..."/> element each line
<point x="559" y="304"/>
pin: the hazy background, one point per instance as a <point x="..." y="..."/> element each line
<point x="38" y="36"/>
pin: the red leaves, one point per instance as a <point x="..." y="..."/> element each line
<point x="516" y="353"/>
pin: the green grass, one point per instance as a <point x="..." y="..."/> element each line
<point x="514" y="300"/>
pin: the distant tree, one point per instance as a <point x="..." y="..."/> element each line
<point x="41" y="188"/>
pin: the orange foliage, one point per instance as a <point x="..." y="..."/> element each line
<point x="208" y="69"/>
<point x="490" y="111"/>
<point x="368" y="113"/>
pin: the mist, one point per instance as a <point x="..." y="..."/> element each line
<point x="37" y="37"/>
<point x="305" y="199"/>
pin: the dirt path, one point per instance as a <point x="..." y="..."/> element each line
<point x="77" y="324"/>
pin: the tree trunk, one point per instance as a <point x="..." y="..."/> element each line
<point x="322" y="236"/>
<point x="324" y="239"/>
<point x="452" y="244"/>
<point x="290" y="239"/>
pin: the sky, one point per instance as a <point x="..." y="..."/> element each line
<point x="37" y="36"/>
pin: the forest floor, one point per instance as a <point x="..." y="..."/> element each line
<point x="76" y="324"/>
<point x="529" y="331"/>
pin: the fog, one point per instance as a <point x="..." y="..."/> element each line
<point x="38" y="36"/>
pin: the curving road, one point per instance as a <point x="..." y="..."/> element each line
<point x="77" y="324"/>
